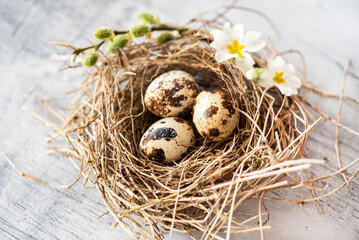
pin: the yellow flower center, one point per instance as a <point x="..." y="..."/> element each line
<point x="235" y="48"/>
<point x="278" y="77"/>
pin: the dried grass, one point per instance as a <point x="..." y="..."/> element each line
<point x="204" y="191"/>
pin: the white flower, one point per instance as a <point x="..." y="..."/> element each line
<point x="281" y="75"/>
<point x="254" y="73"/>
<point x="251" y="74"/>
<point x="233" y="43"/>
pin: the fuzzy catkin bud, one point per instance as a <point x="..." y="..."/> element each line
<point x="119" y="41"/>
<point x="90" y="59"/>
<point x="103" y="33"/>
<point x="165" y="37"/>
<point x="139" y="30"/>
<point x="147" y="17"/>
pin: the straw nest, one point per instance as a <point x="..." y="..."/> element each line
<point x="203" y="190"/>
<point x="204" y="194"/>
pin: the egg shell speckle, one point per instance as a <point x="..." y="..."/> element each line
<point x="167" y="140"/>
<point x="214" y="114"/>
<point x="171" y="94"/>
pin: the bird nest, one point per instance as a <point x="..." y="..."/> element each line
<point x="202" y="191"/>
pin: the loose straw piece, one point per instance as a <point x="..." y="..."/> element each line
<point x="339" y="119"/>
<point x="29" y="176"/>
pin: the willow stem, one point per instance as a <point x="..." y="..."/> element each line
<point x="162" y="27"/>
<point x="96" y="46"/>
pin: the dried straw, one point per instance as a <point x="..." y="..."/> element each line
<point x="204" y="191"/>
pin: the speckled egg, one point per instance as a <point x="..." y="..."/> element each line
<point x="167" y="140"/>
<point x="171" y="94"/>
<point x="214" y="114"/>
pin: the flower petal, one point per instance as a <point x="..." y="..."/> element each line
<point x="290" y="68"/>
<point x="246" y="62"/>
<point x="277" y="64"/>
<point x="265" y="80"/>
<point x="244" y="66"/>
<point x="237" y="32"/>
<point x="220" y="39"/>
<point x="218" y="44"/>
<point x="252" y="36"/>
<point x="252" y="42"/>
<point x="270" y="63"/>
<point x="248" y="58"/>
<point x="223" y="55"/>
<point x="285" y="90"/>
<point x="227" y="28"/>
<point x="216" y="33"/>
<point x="251" y="74"/>
<point x="291" y="85"/>
<point x="293" y="81"/>
<point x="255" y="46"/>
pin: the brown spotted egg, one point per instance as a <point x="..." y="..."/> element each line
<point x="171" y="94"/>
<point x="167" y="140"/>
<point x="214" y="114"/>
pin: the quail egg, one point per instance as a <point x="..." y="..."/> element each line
<point x="171" y="94"/>
<point x="214" y="114"/>
<point x="167" y="140"/>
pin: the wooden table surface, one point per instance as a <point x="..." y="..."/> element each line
<point x="327" y="32"/>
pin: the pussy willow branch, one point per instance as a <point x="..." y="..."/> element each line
<point x="162" y="27"/>
<point x="96" y="46"/>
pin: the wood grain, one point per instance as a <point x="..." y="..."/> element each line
<point x="32" y="211"/>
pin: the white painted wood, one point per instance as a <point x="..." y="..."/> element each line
<point x="31" y="211"/>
